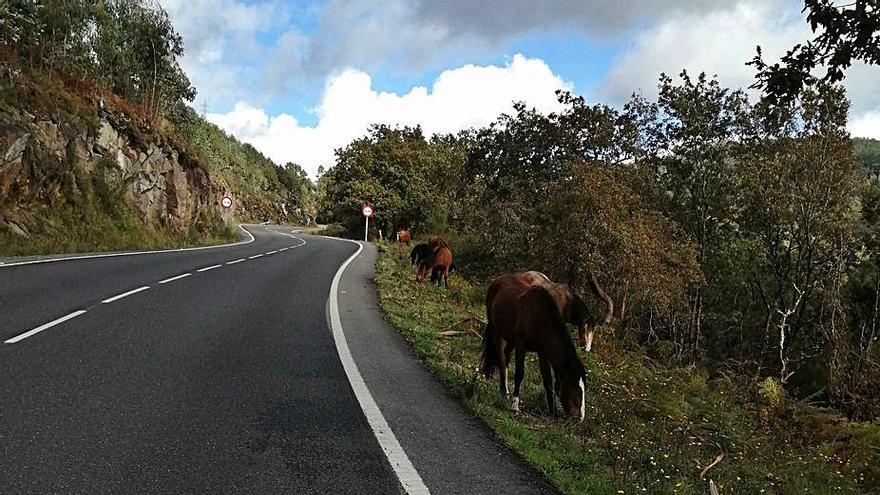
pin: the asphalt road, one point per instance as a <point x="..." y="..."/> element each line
<point x="216" y="371"/>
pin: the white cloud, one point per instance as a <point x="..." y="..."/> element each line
<point x="721" y="42"/>
<point x="460" y="98"/>
<point x="220" y="38"/>
<point x="866" y="125"/>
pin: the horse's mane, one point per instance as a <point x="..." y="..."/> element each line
<point x="557" y="323"/>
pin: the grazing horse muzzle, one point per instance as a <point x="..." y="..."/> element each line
<point x="572" y="394"/>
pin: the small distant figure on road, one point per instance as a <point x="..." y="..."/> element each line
<point x="403" y="237"/>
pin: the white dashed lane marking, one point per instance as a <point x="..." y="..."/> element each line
<point x="200" y="270"/>
<point x="40" y="328"/>
<point x="125" y="294"/>
<point x="172" y="279"/>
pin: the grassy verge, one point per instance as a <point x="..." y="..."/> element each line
<point x="70" y="231"/>
<point x="649" y="428"/>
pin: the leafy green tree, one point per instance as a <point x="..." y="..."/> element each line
<point x="694" y="134"/>
<point x="388" y="168"/>
<point x="845" y="33"/>
<point x="800" y="203"/>
<point x="594" y="224"/>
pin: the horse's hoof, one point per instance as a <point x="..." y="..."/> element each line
<point x="514" y="404"/>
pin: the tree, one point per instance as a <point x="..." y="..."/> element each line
<point x="593" y="224"/>
<point x="846" y="33"/>
<point x="388" y="168"/>
<point x="694" y="135"/>
<point x="800" y="204"/>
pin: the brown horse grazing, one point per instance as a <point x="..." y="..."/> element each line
<point x="422" y="256"/>
<point x="441" y="265"/>
<point x="525" y="318"/>
<point x="403" y="237"/>
<point x="572" y="308"/>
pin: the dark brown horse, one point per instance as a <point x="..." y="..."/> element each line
<point x="420" y="256"/>
<point x="572" y="308"/>
<point x="525" y="318"/>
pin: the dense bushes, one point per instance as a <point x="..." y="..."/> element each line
<point x="724" y="230"/>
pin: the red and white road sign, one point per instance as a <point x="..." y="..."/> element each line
<point x="226" y="202"/>
<point x="367" y="210"/>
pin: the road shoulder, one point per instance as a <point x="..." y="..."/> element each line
<point x="453" y="451"/>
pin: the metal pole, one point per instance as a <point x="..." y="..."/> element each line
<point x="366" y="227"/>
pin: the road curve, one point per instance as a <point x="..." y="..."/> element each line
<point x="212" y="371"/>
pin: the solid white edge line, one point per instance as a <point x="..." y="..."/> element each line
<point x="255" y="256"/>
<point x="172" y="279"/>
<point x="40" y="328"/>
<point x="404" y="470"/>
<point x="200" y="270"/>
<point x="125" y="294"/>
<point x="236" y="261"/>
<point x="132" y="253"/>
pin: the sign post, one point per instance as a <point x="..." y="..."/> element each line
<point x="367" y="212"/>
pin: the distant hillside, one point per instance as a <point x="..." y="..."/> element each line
<point x="868" y="151"/>
<point x="83" y="170"/>
<point x="263" y="189"/>
<point x="98" y="148"/>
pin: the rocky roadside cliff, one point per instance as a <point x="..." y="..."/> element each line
<point x="67" y="160"/>
<point x="46" y="162"/>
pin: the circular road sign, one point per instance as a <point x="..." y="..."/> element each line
<point x="367" y="210"/>
<point x="226" y="202"/>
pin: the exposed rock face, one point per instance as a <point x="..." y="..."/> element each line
<point x="161" y="188"/>
<point x="40" y="162"/>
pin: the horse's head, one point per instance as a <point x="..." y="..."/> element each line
<point x="572" y="391"/>
<point x="583" y="319"/>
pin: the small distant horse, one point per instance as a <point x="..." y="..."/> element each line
<point x="421" y="256"/>
<point x="525" y="318"/>
<point x="572" y="308"/>
<point x="403" y="237"/>
<point x="441" y="265"/>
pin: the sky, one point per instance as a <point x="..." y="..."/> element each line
<point x="299" y="79"/>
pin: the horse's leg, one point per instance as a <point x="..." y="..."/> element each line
<point x="518" y="375"/>
<point x="547" y="376"/>
<point x="500" y="346"/>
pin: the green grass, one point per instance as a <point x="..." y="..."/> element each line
<point x="85" y="230"/>
<point x="649" y="428"/>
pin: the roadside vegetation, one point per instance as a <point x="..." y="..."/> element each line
<point x="737" y="237"/>
<point x="649" y="427"/>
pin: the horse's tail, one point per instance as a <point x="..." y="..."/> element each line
<point x="489" y="358"/>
